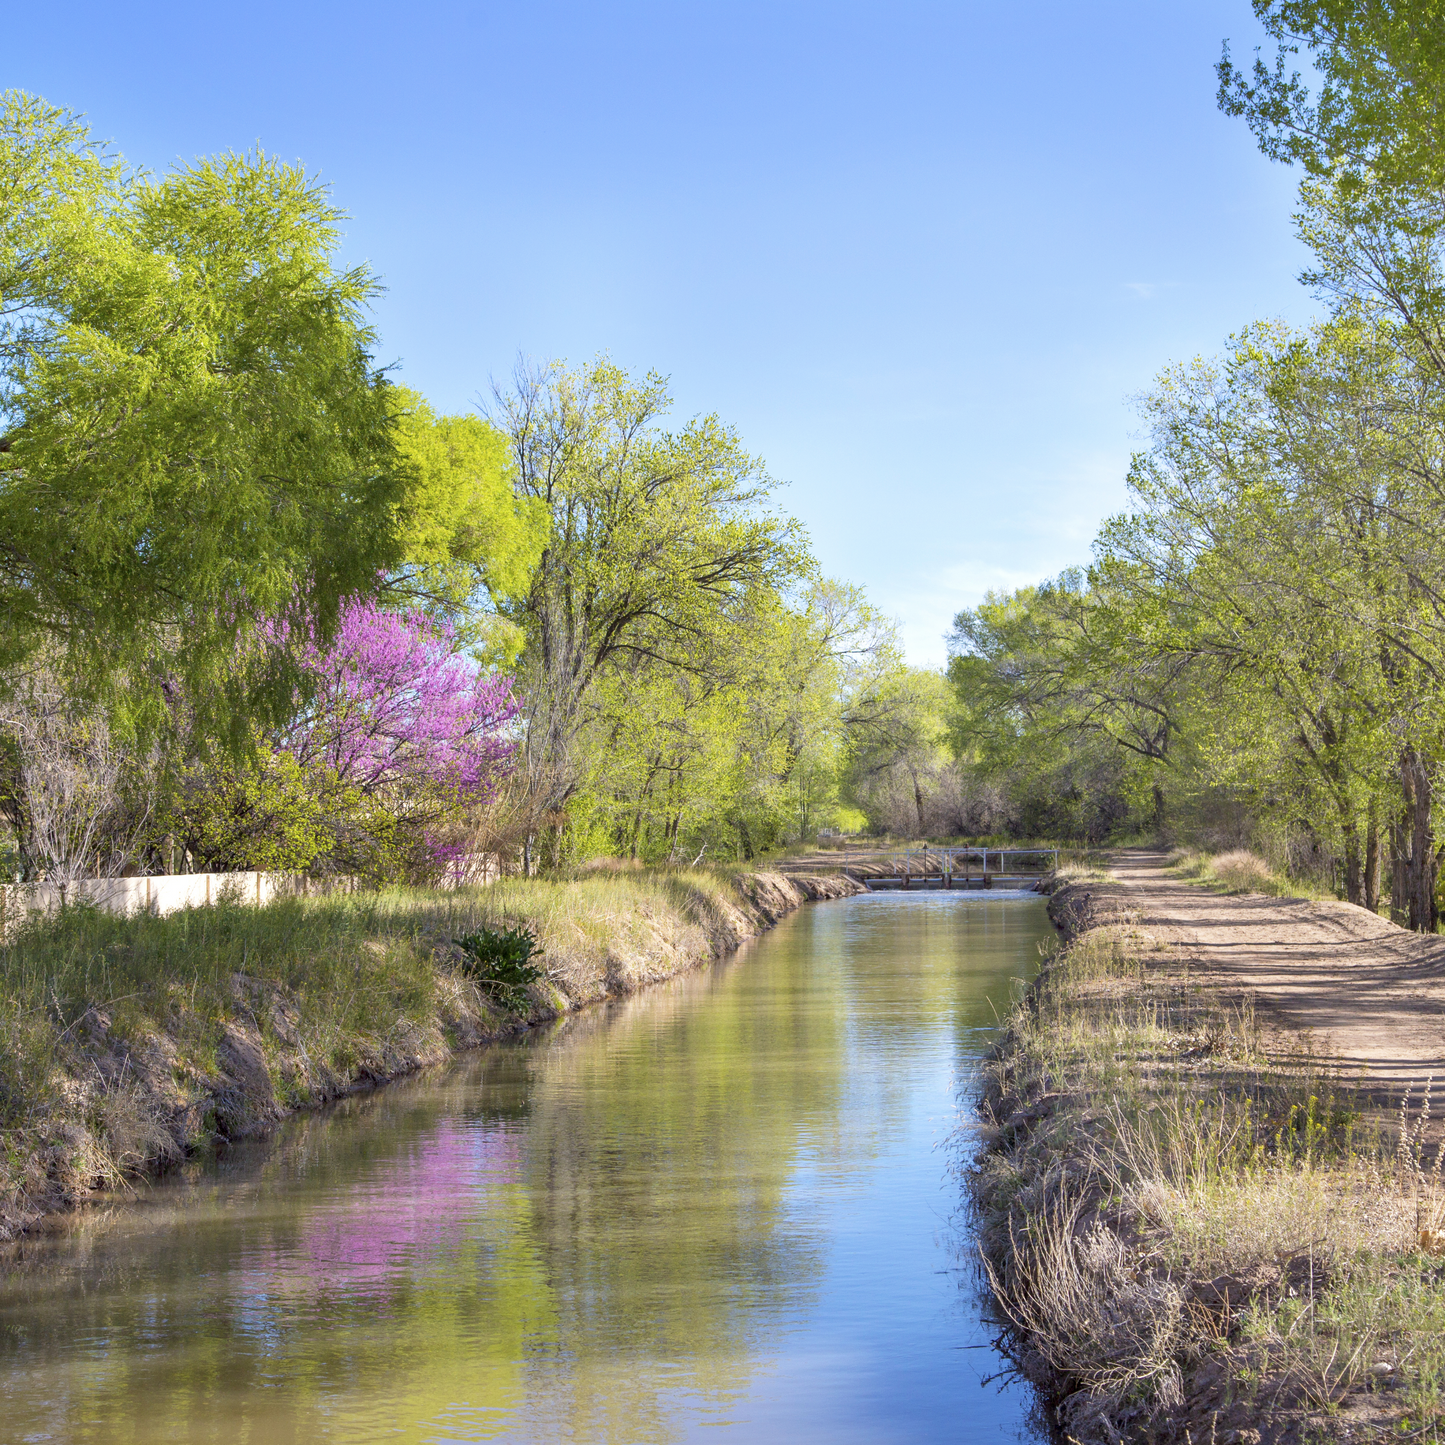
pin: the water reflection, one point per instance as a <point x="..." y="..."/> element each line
<point x="717" y="1205"/>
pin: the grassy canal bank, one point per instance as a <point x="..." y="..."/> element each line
<point x="127" y="1043"/>
<point x="1195" y="1233"/>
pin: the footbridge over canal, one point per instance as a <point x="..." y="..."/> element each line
<point x="964" y="868"/>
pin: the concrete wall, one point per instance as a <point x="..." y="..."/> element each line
<point x="172" y="892"/>
<point x="167" y="894"/>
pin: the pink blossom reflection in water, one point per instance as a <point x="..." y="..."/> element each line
<point x="409" y="1215"/>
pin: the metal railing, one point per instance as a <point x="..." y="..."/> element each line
<point x="954" y="862"/>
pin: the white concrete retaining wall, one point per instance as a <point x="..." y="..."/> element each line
<point x="171" y="892"/>
<point x="168" y="894"/>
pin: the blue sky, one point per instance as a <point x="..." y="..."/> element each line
<point x="920" y="255"/>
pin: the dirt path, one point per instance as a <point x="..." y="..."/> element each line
<point x="1371" y="994"/>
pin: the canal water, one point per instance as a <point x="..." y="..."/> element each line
<point x="722" y="1209"/>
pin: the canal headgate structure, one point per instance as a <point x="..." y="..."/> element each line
<point x="965" y="868"/>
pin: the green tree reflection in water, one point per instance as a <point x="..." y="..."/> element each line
<point x="668" y="1215"/>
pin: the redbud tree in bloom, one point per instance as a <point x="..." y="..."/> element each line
<point x="396" y="735"/>
<point x="396" y="708"/>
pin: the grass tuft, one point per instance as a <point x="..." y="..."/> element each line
<point x="1239" y="871"/>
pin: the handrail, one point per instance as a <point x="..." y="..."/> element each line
<point x="948" y="856"/>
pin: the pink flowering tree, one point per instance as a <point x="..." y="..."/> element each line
<point x="399" y="741"/>
<point x="397" y="709"/>
<point x="404" y="731"/>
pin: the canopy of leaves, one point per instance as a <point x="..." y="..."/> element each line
<point x="1377" y="109"/>
<point x="468" y="541"/>
<point x="192" y="432"/>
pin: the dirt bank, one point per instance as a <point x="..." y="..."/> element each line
<point x="1193" y="1223"/>
<point x="128" y="1043"/>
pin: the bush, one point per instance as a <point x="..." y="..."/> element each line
<point x="500" y="962"/>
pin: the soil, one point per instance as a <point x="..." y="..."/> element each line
<point x="1355" y="986"/>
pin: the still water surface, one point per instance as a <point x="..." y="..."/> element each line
<point x="721" y="1208"/>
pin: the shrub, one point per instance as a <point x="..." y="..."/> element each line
<point x="500" y="962"/>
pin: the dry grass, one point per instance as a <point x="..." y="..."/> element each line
<point x="1184" y="1237"/>
<point x="125" y="1042"/>
<point x="1238" y="871"/>
<point x="1077" y="868"/>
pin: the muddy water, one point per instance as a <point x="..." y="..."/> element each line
<point x="720" y="1209"/>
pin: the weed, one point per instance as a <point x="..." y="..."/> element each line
<point x="499" y="961"/>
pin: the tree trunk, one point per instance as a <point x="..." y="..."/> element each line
<point x="1372" y="857"/>
<point x="1399" y="874"/>
<point x="918" y="803"/>
<point x="1424" y="911"/>
<point x="1354" y="882"/>
<point x="1159" y="812"/>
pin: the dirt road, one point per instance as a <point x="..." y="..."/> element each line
<point x="1371" y="994"/>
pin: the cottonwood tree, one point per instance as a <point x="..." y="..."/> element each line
<point x="897" y="731"/>
<point x="1056" y="667"/>
<point x="655" y="537"/>
<point x="1373" y="112"/>
<point x="1286" y="527"/>
<point x="468" y="542"/>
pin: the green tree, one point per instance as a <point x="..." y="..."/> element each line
<point x="1284" y="531"/>
<point x="656" y="540"/>
<point x="469" y="543"/>
<point x="192" y="433"/>
<point x="734" y="752"/>
<point x="1056" y="670"/>
<point x="898" y="731"/>
<point x="1376" y="112"/>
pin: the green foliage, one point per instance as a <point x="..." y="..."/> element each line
<point x="897" y="728"/>
<point x="1375" y="113"/>
<point x="1054" y="703"/>
<point x="468" y="541"/>
<point x="691" y="685"/>
<point x="265" y="815"/>
<point x="1263" y="625"/>
<point x="742" y="749"/>
<point x="192" y="433"/>
<point x="499" y="960"/>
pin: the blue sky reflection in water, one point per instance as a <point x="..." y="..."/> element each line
<point x="718" y="1208"/>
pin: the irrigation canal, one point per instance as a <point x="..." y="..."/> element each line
<point x="720" y="1208"/>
